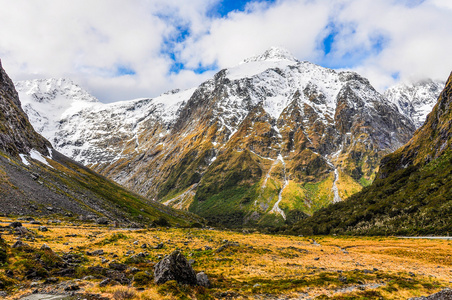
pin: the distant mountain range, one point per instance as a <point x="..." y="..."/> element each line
<point x="264" y="143"/>
<point x="37" y="180"/>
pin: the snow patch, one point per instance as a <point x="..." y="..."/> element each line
<point x="36" y="155"/>
<point x="24" y="159"/>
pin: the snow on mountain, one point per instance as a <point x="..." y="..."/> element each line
<point x="288" y="137"/>
<point x="415" y="100"/>
<point x="80" y="126"/>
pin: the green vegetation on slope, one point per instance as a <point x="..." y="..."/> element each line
<point x="411" y="201"/>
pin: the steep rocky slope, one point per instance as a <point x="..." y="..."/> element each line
<point x="415" y="100"/>
<point x="37" y="180"/>
<point x="412" y="194"/>
<point x="263" y="143"/>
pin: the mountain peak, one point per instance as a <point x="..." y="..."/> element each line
<point x="45" y="90"/>
<point x="272" y="54"/>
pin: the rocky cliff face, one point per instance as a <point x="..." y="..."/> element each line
<point x="37" y="180"/>
<point x="16" y="133"/>
<point x="262" y="143"/>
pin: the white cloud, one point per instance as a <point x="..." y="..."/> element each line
<point x="290" y="24"/>
<point x="90" y="41"/>
<point x="417" y="39"/>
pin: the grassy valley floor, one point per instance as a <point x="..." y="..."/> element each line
<point x="239" y="265"/>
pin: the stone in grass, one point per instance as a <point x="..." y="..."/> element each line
<point x="15" y="224"/>
<point x="104" y="282"/>
<point x="51" y="280"/>
<point x="19" y="244"/>
<point x="43" y="228"/>
<point x="102" y="221"/>
<point x="45" y="247"/>
<point x="174" y="267"/>
<point x="202" y="279"/>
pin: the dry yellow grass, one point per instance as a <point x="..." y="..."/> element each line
<point x="266" y="264"/>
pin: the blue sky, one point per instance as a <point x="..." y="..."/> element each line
<point x="126" y="49"/>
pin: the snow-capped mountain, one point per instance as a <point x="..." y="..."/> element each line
<point x="39" y="181"/>
<point x="266" y="141"/>
<point x="85" y="129"/>
<point x="415" y="100"/>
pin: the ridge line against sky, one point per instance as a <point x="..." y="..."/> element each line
<point x="124" y="49"/>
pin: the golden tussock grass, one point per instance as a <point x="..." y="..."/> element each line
<point x="262" y="264"/>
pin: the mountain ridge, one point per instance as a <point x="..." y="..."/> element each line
<point x="308" y="135"/>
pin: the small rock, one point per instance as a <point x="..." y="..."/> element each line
<point x="15" y="225"/>
<point x="9" y="273"/>
<point x="34" y="284"/>
<point x="35" y="223"/>
<point x="117" y="266"/>
<point x="19" y="244"/>
<point x="256" y="285"/>
<point x="49" y="208"/>
<point x="202" y="279"/>
<point x="343" y="279"/>
<point x="104" y="260"/>
<point x="411" y="274"/>
<point x="43" y="228"/>
<point x="72" y="287"/>
<point x="207" y="248"/>
<point x="144" y="246"/>
<point x="51" y="280"/>
<point x="104" y="282"/>
<point x="191" y="261"/>
<point x="89" y="277"/>
<point x="135" y="243"/>
<point x="95" y="252"/>
<point x="21" y="230"/>
<point x="317" y="258"/>
<point x="3" y="294"/>
<point x="159" y="246"/>
<point x="102" y="221"/>
<point x="45" y="247"/>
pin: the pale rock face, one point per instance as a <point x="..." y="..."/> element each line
<point x="302" y="135"/>
<point x="415" y="100"/>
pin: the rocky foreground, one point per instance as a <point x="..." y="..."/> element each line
<point x="66" y="258"/>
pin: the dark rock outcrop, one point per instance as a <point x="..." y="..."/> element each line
<point x="445" y="294"/>
<point x="174" y="267"/>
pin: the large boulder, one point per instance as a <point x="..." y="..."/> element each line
<point x="174" y="267"/>
<point x="442" y="295"/>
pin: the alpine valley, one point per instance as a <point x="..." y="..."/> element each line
<point x="265" y="143"/>
<point x="37" y="180"/>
